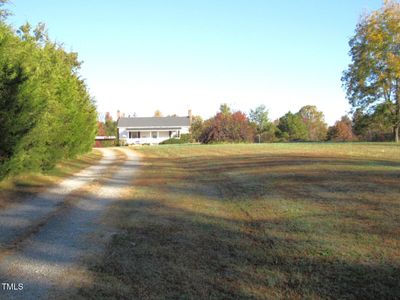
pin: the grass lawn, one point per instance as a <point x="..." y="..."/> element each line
<point x="15" y="188"/>
<point x="259" y="222"/>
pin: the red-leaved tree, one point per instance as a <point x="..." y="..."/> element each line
<point x="101" y="132"/>
<point x="227" y="127"/>
<point x="342" y="131"/>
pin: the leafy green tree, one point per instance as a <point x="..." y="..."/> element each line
<point x="259" y="116"/>
<point x="373" y="126"/>
<point x="292" y="128"/>
<point x="264" y="128"/>
<point x="315" y="123"/>
<point x="360" y="122"/>
<point x="196" y="128"/>
<point x="373" y="77"/>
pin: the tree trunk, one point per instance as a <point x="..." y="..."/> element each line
<point x="397" y="105"/>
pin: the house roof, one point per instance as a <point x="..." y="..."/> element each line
<point x="153" y="122"/>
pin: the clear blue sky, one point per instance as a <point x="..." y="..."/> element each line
<point x="140" y="56"/>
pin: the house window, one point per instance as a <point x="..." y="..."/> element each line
<point x="154" y="134"/>
<point x="134" y="134"/>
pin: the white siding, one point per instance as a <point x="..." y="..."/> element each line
<point x="146" y="136"/>
<point x="185" y="129"/>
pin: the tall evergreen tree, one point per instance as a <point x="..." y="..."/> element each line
<point x="46" y="112"/>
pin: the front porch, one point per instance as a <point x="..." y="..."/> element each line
<point x="150" y="136"/>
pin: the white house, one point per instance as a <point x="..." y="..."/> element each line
<point x="152" y="130"/>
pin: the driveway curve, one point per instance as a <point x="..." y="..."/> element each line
<point x="44" y="240"/>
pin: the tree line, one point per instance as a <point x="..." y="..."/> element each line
<point x="46" y="112"/>
<point x="306" y="125"/>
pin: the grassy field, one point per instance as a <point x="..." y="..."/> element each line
<point x="16" y="188"/>
<point x="298" y="221"/>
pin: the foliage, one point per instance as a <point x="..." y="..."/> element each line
<point x="101" y="131"/>
<point x="342" y="131"/>
<point x="264" y="128"/>
<point x="46" y="113"/>
<point x="374" y="126"/>
<point x="267" y="136"/>
<point x="4" y="13"/>
<point x="184" y="139"/>
<point x="225" y="109"/>
<point x="227" y="127"/>
<point x="315" y="123"/>
<point x="110" y="126"/>
<point x="106" y="128"/>
<point x="196" y="128"/>
<point x="158" y="113"/>
<point x="259" y="116"/>
<point x="292" y="128"/>
<point x="172" y="141"/>
<point x="373" y="77"/>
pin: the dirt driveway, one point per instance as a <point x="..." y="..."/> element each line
<point x="44" y="240"/>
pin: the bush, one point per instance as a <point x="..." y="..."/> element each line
<point x="172" y="141"/>
<point x="185" y="139"/>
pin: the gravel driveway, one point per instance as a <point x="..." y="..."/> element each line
<point x="44" y="240"/>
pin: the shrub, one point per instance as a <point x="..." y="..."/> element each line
<point x="172" y="141"/>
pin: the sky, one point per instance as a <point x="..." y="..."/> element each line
<point x="140" y="56"/>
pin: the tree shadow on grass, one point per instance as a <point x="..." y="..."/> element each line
<point x="169" y="252"/>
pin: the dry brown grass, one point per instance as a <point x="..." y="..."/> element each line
<point x="257" y="222"/>
<point x="17" y="188"/>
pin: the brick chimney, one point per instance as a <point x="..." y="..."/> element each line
<point x="190" y="117"/>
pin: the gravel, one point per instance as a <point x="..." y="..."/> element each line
<point x="49" y="260"/>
